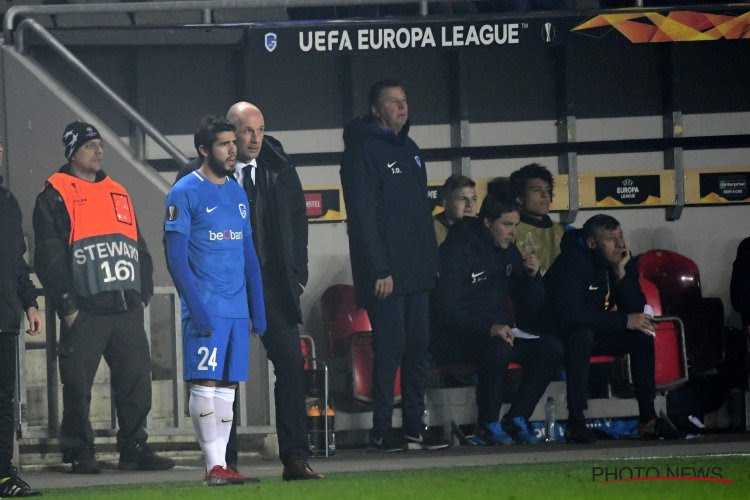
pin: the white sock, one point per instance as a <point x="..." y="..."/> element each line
<point x="223" y="400"/>
<point x="203" y="415"/>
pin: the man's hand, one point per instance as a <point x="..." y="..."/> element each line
<point x="531" y="264"/>
<point x="384" y="287"/>
<point x="641" y="322"/>
<point x="70" y="318"/>
<point x="35" y="321"/>
<point x="620" y="267"/>
<point x="502" y="331"/>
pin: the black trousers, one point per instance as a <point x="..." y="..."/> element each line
<point x="122" y="340"/>
<point x="282" y="345"/>
<point x="582" y="343"/>
<point x="539" y="359"/>
<point x="7" y="393"/>
<point x="400" y="332"/>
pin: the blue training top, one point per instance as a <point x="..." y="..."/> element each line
<point x="216" y="219"/>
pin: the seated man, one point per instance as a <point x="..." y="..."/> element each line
<point x="593" y="274"/>
<point x="480" y="270"/>
<point x="459" y="201"/>
<point x="532" y="186"/>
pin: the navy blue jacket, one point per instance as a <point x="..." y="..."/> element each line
<point x="388" y="213"/>
<point x="477" y="279"/>
<point x="577" y="285"/>
<point x="16" y="289"/>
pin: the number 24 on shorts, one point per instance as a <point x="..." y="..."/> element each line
<point x="207" y="360"/>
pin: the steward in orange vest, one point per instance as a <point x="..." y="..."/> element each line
<point x="97" y="271"/>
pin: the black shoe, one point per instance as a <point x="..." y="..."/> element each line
<point x="389" y="442"/>
<point x="13" y="486"/>
<point x="298" y="469"/>
<point x="139" y="456"/>
<point x="658" y="428"/>
<point x="84" y="461"/>
<point x="577" y="432"/>
<point x="425" y="440"/>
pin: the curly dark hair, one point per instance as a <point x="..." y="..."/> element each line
<point x="520" y="177"/>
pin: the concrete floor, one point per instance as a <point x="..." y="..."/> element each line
<point x="363" y="460"/>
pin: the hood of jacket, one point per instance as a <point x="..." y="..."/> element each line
<point x="573" y="244"/>
<point x="533" y="221"/>
<point x="364" y="128"/>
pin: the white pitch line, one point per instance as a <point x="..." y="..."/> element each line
<point x="707" y="455"/>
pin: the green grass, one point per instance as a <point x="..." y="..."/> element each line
<point x="563" y="480"/>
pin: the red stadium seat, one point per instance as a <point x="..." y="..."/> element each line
<point x="342" y="318"/>
<point x="349" y="334"/>
<point x="361" y="362"/>
<point x="678" y="282"/>
<point x="669" y="343"/>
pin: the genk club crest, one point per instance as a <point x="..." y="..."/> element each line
<point x="270" y="41"/>
<point x="418" y="160"/>
<point x="243" y="210"/>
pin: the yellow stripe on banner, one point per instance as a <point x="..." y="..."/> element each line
<point x="722" y="185"/>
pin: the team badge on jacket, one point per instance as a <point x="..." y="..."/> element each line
<point x="418" y="160"/>
<point x="509" y="270"/>
<point x="243" y="210"/>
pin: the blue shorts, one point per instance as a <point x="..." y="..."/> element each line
<point x="225" y="355"/>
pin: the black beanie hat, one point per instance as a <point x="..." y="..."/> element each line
<point x="76" y="135"/>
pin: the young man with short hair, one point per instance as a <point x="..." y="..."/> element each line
<point x="459" y="195"/>
<point x="481" y="270"/>
<point x="532" y="187"/>
<point x="208" y="237"/>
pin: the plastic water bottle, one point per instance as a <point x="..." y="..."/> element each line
<point x="550" y="423"/>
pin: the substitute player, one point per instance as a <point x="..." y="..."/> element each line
<point x="207" y="234"/>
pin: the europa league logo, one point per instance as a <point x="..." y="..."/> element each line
<point x="548" y="32"/>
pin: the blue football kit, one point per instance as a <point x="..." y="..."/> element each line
<point x="209" y="240"/>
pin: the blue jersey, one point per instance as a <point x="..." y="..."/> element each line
<point x="216" y="219"/>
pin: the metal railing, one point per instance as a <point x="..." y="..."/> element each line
<point x="98" y="83"/>
<point x="206" y="8"/>
<point x="178" y="425"/>
<point x="13" y="33"/>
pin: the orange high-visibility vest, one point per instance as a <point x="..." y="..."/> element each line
<point x="103" y="234"/>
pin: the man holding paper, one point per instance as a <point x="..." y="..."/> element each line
<point x="481" y="271"/>
<point x="598" y="306"/>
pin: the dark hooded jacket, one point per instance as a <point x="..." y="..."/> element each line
<point x="388" y="213"/>
<point x="578" y="284"/>
<point x="16" y="289"/>
<point x="477" y="279"/>
<point x="740" y="284"/>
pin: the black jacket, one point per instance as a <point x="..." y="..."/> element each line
<point x="740" y="285"/>
<point x="280" y="233"/>
<point x="52" y="260"/>
<point x="16" y="289"/>
<point x="477" y="279"/>
<point x="578" y="283"/>
<point x="388" y="214"/>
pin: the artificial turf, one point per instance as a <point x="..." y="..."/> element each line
<point x="722" y="477"/>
